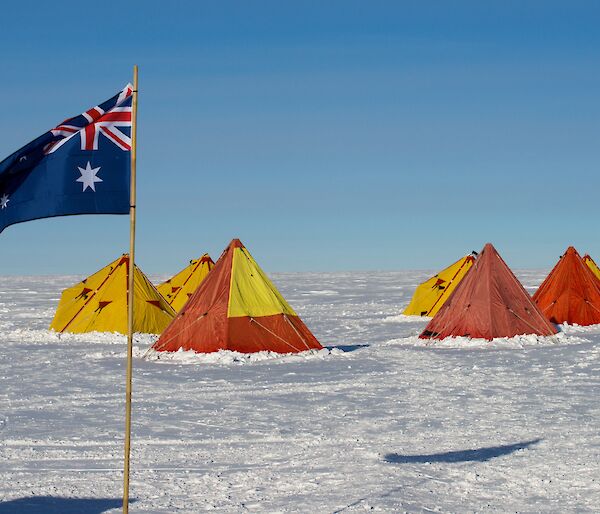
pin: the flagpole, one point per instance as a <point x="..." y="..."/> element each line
<point x="130" y="286"/>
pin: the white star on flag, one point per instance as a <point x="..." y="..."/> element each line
<point x="88" y="177"/>
<point x="4" y="201"/>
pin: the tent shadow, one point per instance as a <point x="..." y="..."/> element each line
<point x="60" y="505"/>
<point x="476" y="455"/>
<point x="348" y="347"/>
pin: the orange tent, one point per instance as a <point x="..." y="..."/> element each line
<point x="236" y="307"/>
<point x="489" y="302"/>
<point x="571" y="292"/>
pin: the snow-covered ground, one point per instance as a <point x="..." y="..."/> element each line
<point x="379" y="421"/>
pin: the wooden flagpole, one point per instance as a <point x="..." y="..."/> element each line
<point x="130" y="286"/>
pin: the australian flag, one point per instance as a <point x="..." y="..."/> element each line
<point x="80" y="167"/>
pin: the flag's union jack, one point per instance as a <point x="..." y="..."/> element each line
<point x="108" y="119"/>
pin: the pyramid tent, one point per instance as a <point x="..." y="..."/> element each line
<point x="431" y="294"/>
<point x="489" y="302"/>
<point x="99" y="303"/>
<point x="570" y="293"/>
<point x="237" y="308"/>
<point x="178" y="289"/>
<point x="592" y="265"/>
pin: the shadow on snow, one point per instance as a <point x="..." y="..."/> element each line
<point x="348" y="347"/>
<point x="477" y="455"/>
<point x="59" y="505"/>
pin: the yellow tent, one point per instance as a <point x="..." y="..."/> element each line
<point x="592" y="265"/>
<point x="180" y="287"/>
<point x="99" y="303"/>
<point x="431" y="294"/>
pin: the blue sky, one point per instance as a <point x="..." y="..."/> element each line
<point x="325" y="135"/>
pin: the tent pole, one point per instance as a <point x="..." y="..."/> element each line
<point x="130" y="286"/>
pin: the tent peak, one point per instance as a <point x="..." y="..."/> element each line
<point x="236" y="243"/>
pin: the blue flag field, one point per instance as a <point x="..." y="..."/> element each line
<point x="82" y="166"/>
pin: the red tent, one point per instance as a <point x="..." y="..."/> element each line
<point x="489" y="302"/>
<point x="571" y="292"/>
<point x="236" y="307"/>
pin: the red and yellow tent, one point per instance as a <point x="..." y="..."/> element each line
<point x="178" y="289"/>
<point x="237" y="308"/>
